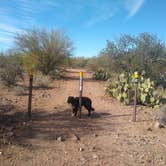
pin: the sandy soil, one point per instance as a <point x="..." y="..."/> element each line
<point x="54" y="138"/>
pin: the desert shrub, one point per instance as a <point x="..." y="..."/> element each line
<point x="10" y="74"/>
<point x="57" y="73"/>
<point x="78" y="62"/>
<point x="42" y="81"/>
<point x="19" y="91"/>
<point x="130" y="53"/>
<point x="11" y="69"/>
<point x="45" y="50"/>
<point x="100" y="74"/>
<point x="123" y="90"/>
<point x="161" y="80"/>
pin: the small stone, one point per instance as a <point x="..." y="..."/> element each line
<point x="158" y="125"/>
<point x="93" y="148"/>
<point x="83" y="159"/>
<point x="149" y="129"/>
<point x="149" y="161"/>
<point x="74" y="137"/>
<point x="95" y="156"/>
<point x="81" y="149"/>
<point x="95" y="135"/>
<point x="60" y="139"/>
<point x="0" y="153"/>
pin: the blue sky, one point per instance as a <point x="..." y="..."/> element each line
<point x="88" y="23"/>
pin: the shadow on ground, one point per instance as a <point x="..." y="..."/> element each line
<point x="46" y="126"/>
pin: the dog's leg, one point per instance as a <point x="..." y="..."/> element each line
<point x="75" y="111"/>
<point x="75" y="114"/>
<point x="89" y="113"/>
<point x="88" y="107"/>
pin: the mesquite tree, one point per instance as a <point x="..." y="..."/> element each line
<point x="44" y="50"/>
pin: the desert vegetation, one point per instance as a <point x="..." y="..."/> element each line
<point x="44" y="52"/>
<point x="144" y="53"/>
<point x="108" y="81"/>
<point x="48" y="52"/>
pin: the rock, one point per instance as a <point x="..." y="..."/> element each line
<point x="95" y="135"/>
<point x="95" y="156"/>
<point x="81" y="149"/>
<point x="43" y="95"/>
<point x="74" y="137"/>
<point x="149" y="129"/>
<point x="159" y="125"/>
<point x="83" y="159"/>
<point x="0" y="153"/>
<point x="60" y="139"/>
<point x="93" y="148"/>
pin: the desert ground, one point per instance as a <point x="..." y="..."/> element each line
<point x="53" y="137"/>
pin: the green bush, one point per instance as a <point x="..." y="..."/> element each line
<point x="43" y="50"/>
<point x="129" y="53"/>
<point x="123" y="90"/>
<point x="100" y="74"/>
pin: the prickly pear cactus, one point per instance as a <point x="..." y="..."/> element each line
<point x="123" y="90"/>
<point x="100" y="74"/>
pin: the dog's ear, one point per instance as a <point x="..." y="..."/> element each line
<point x="70" y="98"/>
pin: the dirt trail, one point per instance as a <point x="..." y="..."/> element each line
<point x="108" y="138"/>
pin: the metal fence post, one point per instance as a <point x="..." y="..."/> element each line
<point x="136" y="76"/>
<point x="80" y="93"/>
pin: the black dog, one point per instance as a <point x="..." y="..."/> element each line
<point x="86" y="102"/>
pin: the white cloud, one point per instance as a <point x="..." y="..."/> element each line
<point x="9" y="28"/>
<point x="133" y="6"/>
<point x="100" y="18"/>
<point x="102" y="11"/>
<point x="19" y="15"/>
<point x="5" y="39"/>
<point x="51" y="3"/>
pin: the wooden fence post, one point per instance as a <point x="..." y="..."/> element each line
<point x="30" y="93"/>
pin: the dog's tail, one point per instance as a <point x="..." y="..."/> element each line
<point x="92" y="109"/>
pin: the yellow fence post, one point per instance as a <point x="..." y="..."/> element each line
<point x="136" y="77"/>
<point x="80" y="93"/>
